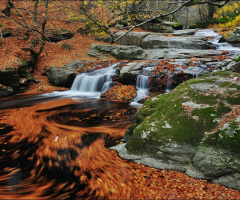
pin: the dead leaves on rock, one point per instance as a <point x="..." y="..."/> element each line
<point x="120" y="93"/>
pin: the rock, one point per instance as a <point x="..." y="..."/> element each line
<point x="100" y="51"/>
<point x="232" y="181"/>
<point x="232" y="66"/>
<point x="64" y="76"/>
<point x="184" y="32"/>
<point x="234" y="37"/>
<point x="130" y="39"/>
<point x="9" y="77"/>
<point x="157" y="27"/>
<point x="174" y="25"/>
<point x="172" y="53"/>
<point x="186" y="130"/>
<point x="14" y="79"/>
<point x="120" y="93"/>
<point x="5" y="91"/>
<point x="160" y="26"/>
<point x="119" y="52"/>
<point x="129" y="72"/>
<point x="156" y="41"/>
<point x="56" y="36"/>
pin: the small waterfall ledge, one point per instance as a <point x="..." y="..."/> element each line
<point x="94" y="83"/>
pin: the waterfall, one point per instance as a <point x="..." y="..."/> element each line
<point x="142" y="87"/>
<point x="94" y="83"/>
<point x="142" y="82"/>
<point x="169" y="83"/>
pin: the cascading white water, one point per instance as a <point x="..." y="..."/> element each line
<point x="97" y="81"/>
<point x="215" y="38"/>
<point x="142" y="82"/>
<point x="169" y="83"/>
<point x="142" y="85"/>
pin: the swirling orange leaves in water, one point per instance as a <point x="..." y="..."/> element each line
<point x="65" y="158"/>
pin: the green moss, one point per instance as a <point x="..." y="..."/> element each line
<point x="222" y="73"/>
<point x="230" y="85"/>
<point x="122" y="55"/>
<point x="234" y="100"/>
<point x="237" y="59"/>
<point x="164" y="120"/>
<point x="207" y="116"/>
<point x="228" y="138"/>
<point x="224" y="84"/>
<point x="202" y="99"/>
<point x="235" y="86"/>
<point x="196" y="81"/>
<point x="182" y="128"/>
<point x="222" y="109"/>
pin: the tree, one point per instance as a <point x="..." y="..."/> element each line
<point x="34" y="22"/>
<point x="129" y="14"/>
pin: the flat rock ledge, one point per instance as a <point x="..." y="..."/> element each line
<point x="215" y="164"/>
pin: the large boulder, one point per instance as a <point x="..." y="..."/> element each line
<point x="184" y="32"/>
<point x="58" y="35"/>
<point x="173" y="53"/>
<point x="119" y="51"/>
<point x="194" y="129"/>
<point x="14" y="79"/>
<point x="232" y="66"/>
<point x="234" y="37"/>
<point x="160" y="26"/>
<point x="64" y="76"/>
<point x="129" y="72"/>
<point x="156" y="41"/>
<point x="130" y="39"/>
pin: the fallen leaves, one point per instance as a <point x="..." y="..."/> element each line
<point x="120" y="93"/>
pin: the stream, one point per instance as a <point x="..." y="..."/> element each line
<point x="55" y="145"/>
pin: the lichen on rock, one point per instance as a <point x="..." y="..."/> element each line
<point x="201" y="119"/>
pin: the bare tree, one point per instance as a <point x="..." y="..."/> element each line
<point x="132" y="14"/>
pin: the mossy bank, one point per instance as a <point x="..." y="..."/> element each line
<point x="194" y="129"/>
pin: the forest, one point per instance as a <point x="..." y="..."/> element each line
<point x="119" y="99"/>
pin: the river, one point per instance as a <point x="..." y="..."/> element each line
<point x="55" y="146"/>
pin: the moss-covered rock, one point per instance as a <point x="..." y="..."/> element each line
<point x="15" y="78"/>
<point x="180" y="130"/>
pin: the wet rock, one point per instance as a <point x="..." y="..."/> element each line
<point x="184" y="32"/>
<point x="232" y="66"/>
<point x="5" y="91"/>
<point x="14" y="79"/>
<point x="156" y="41"/>
<point x="185" y="130"/>
<point x="234" y="37"/>
<point x="64" y="76"/>
<point x="172" y="53"/>
<point x="129" y="72"/>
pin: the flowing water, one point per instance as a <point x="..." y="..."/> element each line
<point x="54" y="146"/>
<point x="215" y="38"/>
<point x="94" y="83"/>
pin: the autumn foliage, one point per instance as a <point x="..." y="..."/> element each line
<point x="120" y="93"/>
